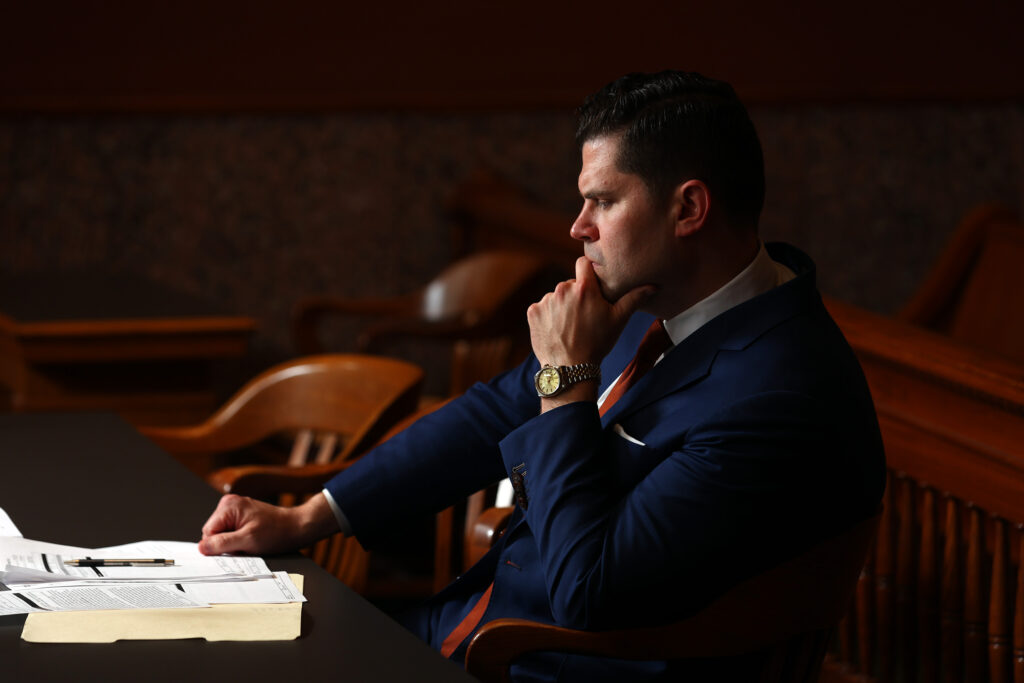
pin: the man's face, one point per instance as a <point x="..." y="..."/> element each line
<point x="626" y="235"/>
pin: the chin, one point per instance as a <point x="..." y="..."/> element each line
<point x="612" y="294"/>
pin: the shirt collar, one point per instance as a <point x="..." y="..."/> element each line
<point x="760" y="276"/>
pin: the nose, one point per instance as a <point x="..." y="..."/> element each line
<point x="583" y="228"/>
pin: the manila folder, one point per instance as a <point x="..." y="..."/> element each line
<point x="217" y="622"/>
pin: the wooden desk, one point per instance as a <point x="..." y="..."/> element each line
<point x="91" y="480"/>
<point x="111" y="342"/>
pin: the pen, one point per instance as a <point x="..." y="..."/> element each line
<point x="120" y="562"/>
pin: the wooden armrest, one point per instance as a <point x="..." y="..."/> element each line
<point x="952" y="267"/>
<point x="261" y="481"/>
<point x="392" y="305"/>
<point x="194" y="446"/>
<point x="191" y="439"/>
<point x="460" y="325"/>
<point x="309" y="311"/>
<point x="500" y="642"/>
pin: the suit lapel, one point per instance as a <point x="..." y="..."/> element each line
<point x="685" y="364"/>
<point x="692" y="359"/>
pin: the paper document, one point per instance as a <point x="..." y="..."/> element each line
<point x="274" y="590"/>
<point x="277" y="589"/>
<point x="115" y="596"/>
<point x="29" y="564"/>
<point x="7" y="527"/>
<point x="35" y="578"/>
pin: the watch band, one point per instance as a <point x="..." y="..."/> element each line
<point x="571" y="374"/>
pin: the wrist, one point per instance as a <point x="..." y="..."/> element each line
<point x="314" y="519"/>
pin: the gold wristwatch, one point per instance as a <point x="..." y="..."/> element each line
<point x="552" y="380"/>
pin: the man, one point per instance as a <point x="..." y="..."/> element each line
<point x="751" y="438"/>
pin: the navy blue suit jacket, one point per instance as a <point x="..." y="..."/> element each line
<point x="751" y="440"/>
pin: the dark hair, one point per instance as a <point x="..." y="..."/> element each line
<point x="676" y="126"/>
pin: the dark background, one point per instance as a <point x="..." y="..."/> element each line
<point x="256" y="152"/>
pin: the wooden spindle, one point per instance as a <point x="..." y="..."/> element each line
<point x="952" y="600"/>
<point x="865" y="615"/>
<point x="999" y="607"/>
<point x="928" y="590"/>
<point x="974" y="599"/>
<point x="885" y="594"/>
<point x="906" y="567"/>
<point x="844" y="638"/>
<point x="299" y="455"/>
<point x="1018" y="612"/>
<point x="328" y="445"/>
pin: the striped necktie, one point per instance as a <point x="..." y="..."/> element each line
<point x="654" y="343"/>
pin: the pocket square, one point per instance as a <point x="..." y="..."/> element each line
<point x="622" y="432"/>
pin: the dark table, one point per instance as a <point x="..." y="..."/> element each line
<point x="91" y="480"/>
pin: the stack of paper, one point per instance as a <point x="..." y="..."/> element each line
<point x="38" y="579"/>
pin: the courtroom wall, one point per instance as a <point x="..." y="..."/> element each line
<point x="255" y="211"/>
<point x="255" y="197"/>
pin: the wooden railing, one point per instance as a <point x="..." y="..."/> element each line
<point x="942" y="595"/>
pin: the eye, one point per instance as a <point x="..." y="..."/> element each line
<point x="597" y="203"/>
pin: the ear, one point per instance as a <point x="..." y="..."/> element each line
<point x="690" y="204"/>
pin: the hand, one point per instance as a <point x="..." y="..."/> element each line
<point x="244" y="525"/>
<point x="576" y="324"/>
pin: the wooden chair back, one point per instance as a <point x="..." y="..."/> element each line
<point x="788" y="612"/>
<point x="338" y="404"/>
<point x="489" y="212"/>
<point x="479" y="286"/>
<point x="975" y="290"/>
<point x="477" y="304"/>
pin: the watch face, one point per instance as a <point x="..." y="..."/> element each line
<point x="548" y="381"/>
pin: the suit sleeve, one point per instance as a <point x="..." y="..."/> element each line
<point x="439" y="460"/>
<point x="721" y="500"/>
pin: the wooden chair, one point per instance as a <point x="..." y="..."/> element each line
<point x="489" y="212"/>
<point x="478" y="304"/>
<point x="975" y="290"/>
<point x="337" y="405"/>
<point x="788" y="612"/>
